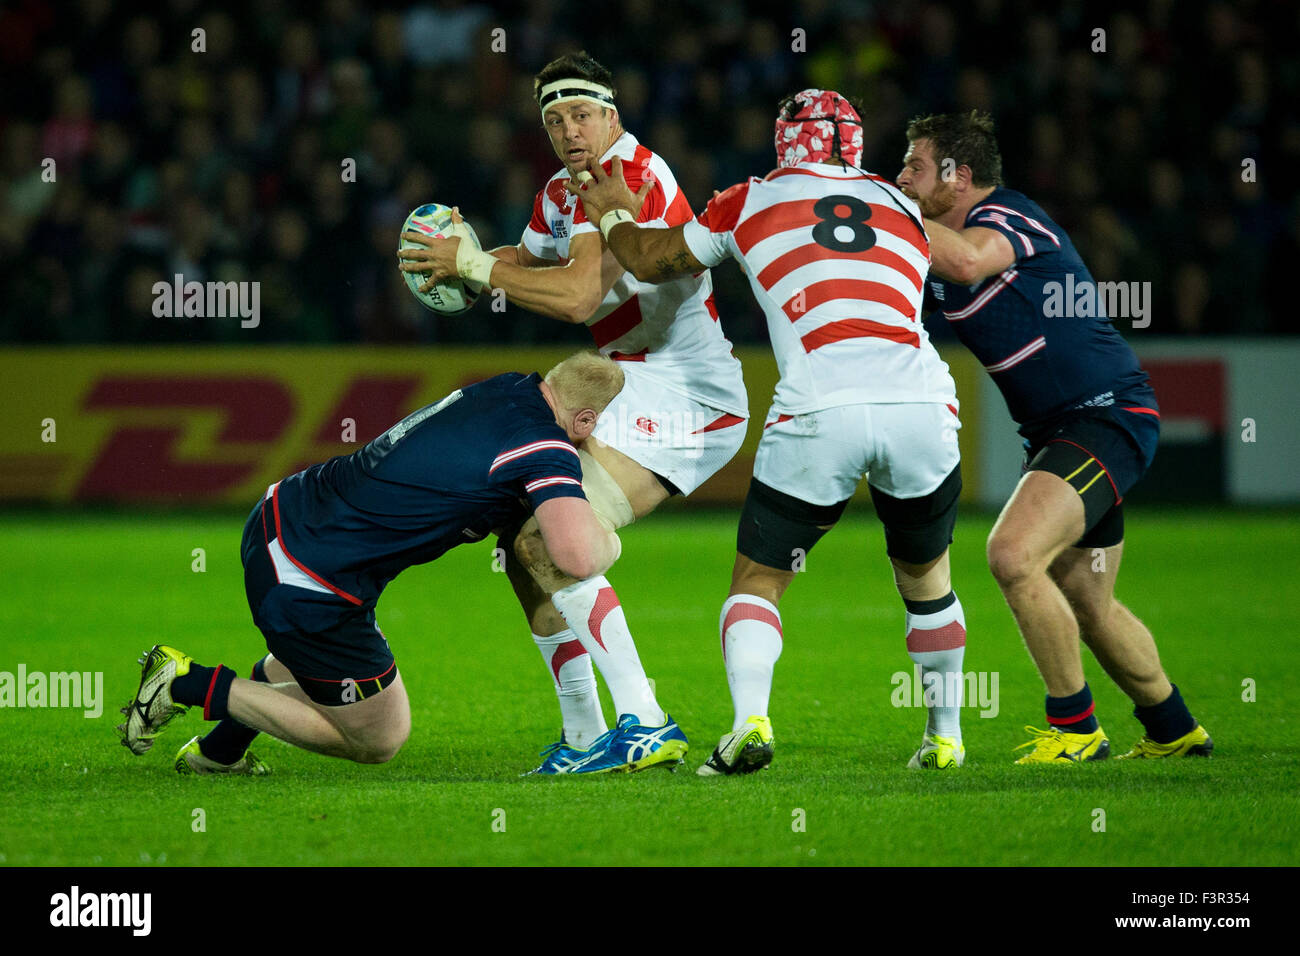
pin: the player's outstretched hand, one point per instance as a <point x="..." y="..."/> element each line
<point x="606" y="191"/>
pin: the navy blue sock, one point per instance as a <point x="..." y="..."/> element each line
<point x="208" y="687"/>
<point x="1168" y="720"/>
<point x="190" y="689"/>
<point x="1073" y="714"/>
<point x="226" y="742"/>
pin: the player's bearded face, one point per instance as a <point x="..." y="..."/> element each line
<point x="920" y="181"/>
<point x="941" y="198"/>
<point x="580" y="132"/>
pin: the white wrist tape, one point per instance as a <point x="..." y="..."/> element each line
<point x="612" y="219"/>
<point x="473" y="264"/>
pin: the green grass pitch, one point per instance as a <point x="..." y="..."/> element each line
<point x="89" y="592"/>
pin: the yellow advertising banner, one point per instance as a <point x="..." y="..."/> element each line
<point x="214" y="425"/>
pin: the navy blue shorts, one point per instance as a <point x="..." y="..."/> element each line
<point x="1101" y="455"/>
<point x="333" y="648"/>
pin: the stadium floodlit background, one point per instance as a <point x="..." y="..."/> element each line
<point x="226" y="164"/>
<point x="134" y="442"/>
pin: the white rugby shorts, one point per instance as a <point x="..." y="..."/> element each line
<point x="670" y="434"/>
<point x="905" y="450"/>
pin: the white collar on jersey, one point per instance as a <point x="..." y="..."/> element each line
<point x="834" y="169"/>
<point x="627" y="142"/>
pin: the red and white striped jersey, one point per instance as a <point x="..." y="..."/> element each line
<point x="836" y="258"/>
<point x="672" y="327"/>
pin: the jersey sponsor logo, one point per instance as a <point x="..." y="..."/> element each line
<point x="399" y="431"/>
<point x="686" y="432"/>
<point x="559" y="229"/>
<point x="936" y="289"/>
<point x="1105" y="398"/>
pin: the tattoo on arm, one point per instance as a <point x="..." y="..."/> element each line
<point x="678" y="264"/>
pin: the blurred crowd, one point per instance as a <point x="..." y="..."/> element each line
<point x="1169" y="156"/>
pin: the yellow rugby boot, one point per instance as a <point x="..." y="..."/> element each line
<point x="742" y="751"/>
<point x="1055" y="746"/>
<point x="938" y="753"/>
<point x="1194" y="743"/>
<point x="152" y="707"/>
<point x="190" y="760"/>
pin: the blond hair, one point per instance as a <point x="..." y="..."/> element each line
<point x="586" y="379"/>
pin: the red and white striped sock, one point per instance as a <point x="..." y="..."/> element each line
<point x="936" y="640"/>
<point x="575" y="686"/>
<point x="751" y="643"/>
<point x="592" y="611"/>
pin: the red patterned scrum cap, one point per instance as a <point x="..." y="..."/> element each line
<point x="813" y="124"/>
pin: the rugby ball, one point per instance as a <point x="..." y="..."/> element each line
<point x="450" y="296"/>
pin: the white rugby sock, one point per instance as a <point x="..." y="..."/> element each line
<point x="937" y="642"/>
<point x="575" y="686"/>
<point x="592" y="611"/>
<point x="751" y="643"/>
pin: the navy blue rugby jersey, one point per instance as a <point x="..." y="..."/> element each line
<point x="445" y="475"/>
<point x="1048" y="349"/>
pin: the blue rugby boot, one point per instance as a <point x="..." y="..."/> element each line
<point x="631" y="746"/>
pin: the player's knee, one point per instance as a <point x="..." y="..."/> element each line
<point x="381" y="747"/>
<point x="1009" y="560"/>
<point x="380" y="743"/>
<point x="370" y="754"/>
